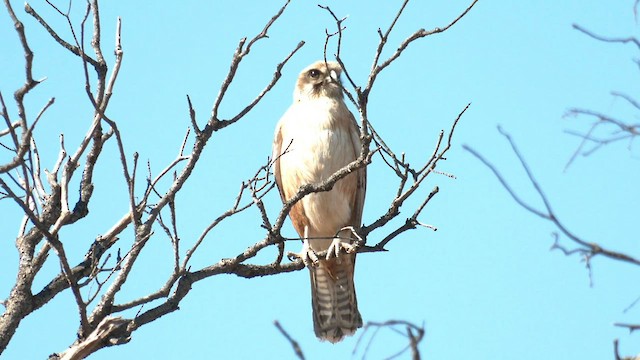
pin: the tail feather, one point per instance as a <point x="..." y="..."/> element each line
<point x="333" y="298"/>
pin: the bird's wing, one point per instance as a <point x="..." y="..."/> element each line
<point x="361" y="174"/>
<point x="289" y="185"/>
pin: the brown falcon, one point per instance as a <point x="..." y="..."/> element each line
<point x="316" y="137"/>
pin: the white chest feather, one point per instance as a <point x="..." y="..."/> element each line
<point x="319" y="142"/>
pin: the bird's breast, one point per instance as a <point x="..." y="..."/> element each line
<point x="320" y="141"/>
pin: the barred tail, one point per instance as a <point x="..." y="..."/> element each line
<point x="333" y="298"/>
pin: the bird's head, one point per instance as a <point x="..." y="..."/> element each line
<point x="319" y="79"/>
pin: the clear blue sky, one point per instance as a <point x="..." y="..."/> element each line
<point x="485" y="284"/>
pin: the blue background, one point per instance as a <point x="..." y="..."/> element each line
<point x="485" y="285"/>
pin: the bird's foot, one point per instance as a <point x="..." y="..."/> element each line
<point x="338" y="245"/>
<point x="306" y="254"/>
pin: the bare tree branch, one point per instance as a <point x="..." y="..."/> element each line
<point x="621" y="130"/>
<point x="104" y="271"/>
<point x="412" y="332"/>
<point x="23" y="145"/>
<point x="294" y="344"/>
<point x="377" y="68"/>
<point x="630" y="327"/>
<point x="590" y="248"/>
<point x="591" y="140"/>
<point x="418" y="176"/>
<point x="74" y="49"/>
<point x="626" y="40"/>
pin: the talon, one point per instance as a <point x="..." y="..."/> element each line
<point x="336" y="246"/>
<point x="350" y="248"/>
<point x="311" y="255"/>
<point x="306" y="254"/>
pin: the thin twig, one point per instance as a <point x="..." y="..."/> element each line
<point x="294" y="344"/>
<point x="548" y="213"/>
<point x="412" y="332"/>
<point x="630" y="39"/>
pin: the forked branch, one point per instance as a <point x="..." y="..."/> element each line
<point x="589" y="249"/>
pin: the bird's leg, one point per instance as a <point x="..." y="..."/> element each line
<point x="342" y="243"/>
<point x="306" y="254"/>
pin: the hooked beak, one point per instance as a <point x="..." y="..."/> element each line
<point x="333" y="77"/>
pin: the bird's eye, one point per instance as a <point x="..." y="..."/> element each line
<point x="314" y="73"/>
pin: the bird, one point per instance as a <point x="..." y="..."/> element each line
<point x="316" y="137"/>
